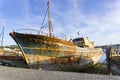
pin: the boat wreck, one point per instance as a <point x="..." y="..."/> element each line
<point x="46" y="51"/>
<point x="113" y="60"/>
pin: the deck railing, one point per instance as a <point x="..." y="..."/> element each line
<point x="32" y="31"/>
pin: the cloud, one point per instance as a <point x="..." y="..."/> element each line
<point x="99" y="20"/>
<point x="97" y="25"/>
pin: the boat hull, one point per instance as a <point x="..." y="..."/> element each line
<point x="49" y="52"/>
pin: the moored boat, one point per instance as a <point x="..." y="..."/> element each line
<point x="50" y="52"/>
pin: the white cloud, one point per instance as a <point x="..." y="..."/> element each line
<point x="102" y="28"/>
<point x="97" y="25"/>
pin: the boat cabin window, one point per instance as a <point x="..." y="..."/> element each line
<point x="78" y="39"/>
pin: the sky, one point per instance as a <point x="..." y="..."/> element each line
<point x="99" y="20"/>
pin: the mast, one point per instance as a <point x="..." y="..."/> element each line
<point x="49" y="21"/>
<point x="3" y="34"/>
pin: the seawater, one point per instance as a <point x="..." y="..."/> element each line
<point x="103" y="58"/>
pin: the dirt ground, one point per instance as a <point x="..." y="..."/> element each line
<point x="11" y="73"/>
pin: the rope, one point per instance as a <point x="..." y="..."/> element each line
<point x="43" y="20"/>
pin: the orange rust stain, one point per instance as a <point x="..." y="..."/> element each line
<point x="26" y="58"/>
<point x="59" y="50"/>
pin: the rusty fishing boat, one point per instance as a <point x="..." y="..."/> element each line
<point x="45" y="51"/>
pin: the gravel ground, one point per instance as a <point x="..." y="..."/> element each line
<point x="11" y="73"/>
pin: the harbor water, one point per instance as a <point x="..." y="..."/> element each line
<point x="103" y="58"/>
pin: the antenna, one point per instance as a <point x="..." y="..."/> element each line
<point x="78" y="33"/>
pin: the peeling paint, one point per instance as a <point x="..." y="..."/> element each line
<point x="39" y="49"/>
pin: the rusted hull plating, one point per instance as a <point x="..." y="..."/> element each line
<point x="39" y="50"/>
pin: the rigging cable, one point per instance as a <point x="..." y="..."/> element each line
<point x="43" y="21"/>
